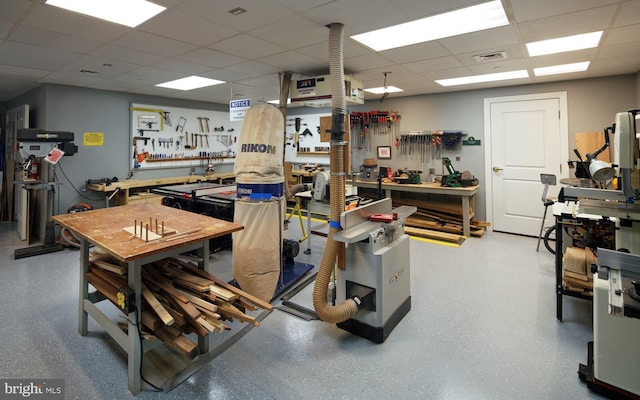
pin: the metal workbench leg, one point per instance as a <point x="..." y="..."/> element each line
<point x="203" y="254"/>
<point x="84" y="287"/>
<point x="134" y="348"/>
<point x="308" y="250"/>
<point x="558" y="263"/>
<point x="466" y="225"/>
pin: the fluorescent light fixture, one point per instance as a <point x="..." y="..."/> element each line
<point x="561" y="69"/>
<point x="466" y="20"/>
<point x="382" y="90"/>
<point x="277" y="102"/>
<point x="190" y="83"/>
<point x="563" y="44"/>
<point x="126" y="12"/>
<point x="500" y="76"/>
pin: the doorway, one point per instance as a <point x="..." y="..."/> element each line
<point x="525" y="136"/>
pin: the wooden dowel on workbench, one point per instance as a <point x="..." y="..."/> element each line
<point x="135" y="227"/>
<point x="146" y="239"/>
<point x="157" y="225"/>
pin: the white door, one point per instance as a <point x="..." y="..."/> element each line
<point x="17" y="118"/>
<point x="526" y="136"/>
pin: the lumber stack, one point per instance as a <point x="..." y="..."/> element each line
<point x="576" y="270"/>
<point x="178" y="299"/>
<point x="433" y="217"/>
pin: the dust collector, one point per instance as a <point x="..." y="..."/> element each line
<point x="260" y="205"/>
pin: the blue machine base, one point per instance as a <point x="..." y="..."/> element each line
<point x="290" y="275"/>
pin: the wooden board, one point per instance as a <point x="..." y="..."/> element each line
<point x="435" y="235"/>
<point x="103" y="227"/>
<point x="588" y="142"/>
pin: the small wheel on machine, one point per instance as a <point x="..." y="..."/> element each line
<point x="549" y="239"/>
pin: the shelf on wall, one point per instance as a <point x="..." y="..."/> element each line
<point x="186" y="159"/>
<point x="313" y="153"/>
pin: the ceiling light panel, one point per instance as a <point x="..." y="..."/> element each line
<point x="561" y="69"/>
<point x="125" y="12"/>
<point x="382" y="90"/>
<point x="564" y="44"/>
<point x="190" y="83"/>
<point x="466" y="20"/>
<point x="500" y="76"/>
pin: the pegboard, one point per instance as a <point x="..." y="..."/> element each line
<point x="173" y="137"/>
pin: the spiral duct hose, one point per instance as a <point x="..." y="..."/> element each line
<point x="345" y="310"/>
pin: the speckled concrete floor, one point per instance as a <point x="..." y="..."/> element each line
<point x="482" y="326"/>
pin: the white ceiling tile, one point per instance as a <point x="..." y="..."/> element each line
<point x="154" y="44"/>
<point x="435" y="64"/>
<point x="227" y="75"/>
<point x="133" y="56"/>
<point x="628" y="15"/>
<point x="527" y="10"/>
<point x="71" y="78"/>
<point x="211" y="58"/>
<point x="55" y="19"/>
<point x="514" y="51"/>
<point x="254" y="68"/>
<point x="291" y="61"/>
<point x="193" y="29"/>
<point x="29" y="56"/>
<point x="498" y="66"/>
<point x="416" y="9"/>
<point x="259" y="12"/>
<point x="247" y="46"/>
<point x="416" y="52"/>
<point x="308" y="32"/>
<point x="357" y="16"/>
<point x="106" y="68"/>
<point x="8" y="70"/>
<point x="367" y="62"/>
<point x="568" y="24"/>
<point x="183" y="67"/>
<point x="13" y="10"/>
<point x="502" y="36"/>
<point x="54" y="40"/>
<point x="625" y="34"/>
<point x="5" y="28"/>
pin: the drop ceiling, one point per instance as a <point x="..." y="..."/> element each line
<point x="44" y="44"/>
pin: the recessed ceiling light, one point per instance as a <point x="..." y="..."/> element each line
<point x="563" y="44"/>
<point x="561" y="69"/>
<point x="277" y="102"/>
<point x="382" y="89"/>
<point x="466" y="20"/>
<point x="190" y="83"/>
<point x="126" y="12"/>
<point x="500" y="76"/>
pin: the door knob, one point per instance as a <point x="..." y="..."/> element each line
<point x="497" y="169"/>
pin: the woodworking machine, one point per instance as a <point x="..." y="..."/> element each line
<point x="614" y="355"/>
<point x="378" y="273"/>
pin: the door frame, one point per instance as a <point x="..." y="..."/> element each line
<point x="564" y="139"/>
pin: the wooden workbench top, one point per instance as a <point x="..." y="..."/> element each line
<point x="137" y="183"/>
<point x="431" y="186"/>
<point x="104" y="228"/>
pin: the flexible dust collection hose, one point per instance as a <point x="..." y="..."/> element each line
<point x="348" y="308"/>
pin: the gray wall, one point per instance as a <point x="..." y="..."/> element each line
<point x="80" y="110"/>
<point x="592" y="105"/>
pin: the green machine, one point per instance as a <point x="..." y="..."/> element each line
<point x="455" y="178"/>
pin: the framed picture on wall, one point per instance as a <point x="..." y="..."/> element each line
<point x="384" y="152"/>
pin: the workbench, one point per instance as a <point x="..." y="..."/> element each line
<point x="104" y="229"/>
<point x="137" y="190"/>
<point x="466" y="195"/>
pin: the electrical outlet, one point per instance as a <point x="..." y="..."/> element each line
<point x="457" y="158"/>
<point x="432" y="170"/>
<point x="126" y="299"/>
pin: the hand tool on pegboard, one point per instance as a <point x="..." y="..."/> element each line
<point x="181" y="123"/>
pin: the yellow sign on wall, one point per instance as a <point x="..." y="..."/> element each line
<point x="94" y="139"/>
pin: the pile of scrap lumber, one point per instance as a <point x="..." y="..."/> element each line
<point x="438" y="220"/>
<point x="178" y="299"/>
